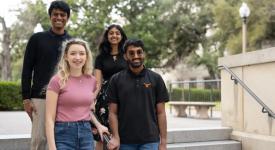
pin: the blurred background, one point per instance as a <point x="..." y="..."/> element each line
<point x="183" y="38"/>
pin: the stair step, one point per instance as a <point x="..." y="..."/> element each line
<point x="198" y="134"/>
<point x="15" y="142"/>
<point x="210" y="145"/>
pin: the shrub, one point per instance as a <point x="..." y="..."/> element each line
<point x="194" y="94"/>
<point x="10" y="97"/>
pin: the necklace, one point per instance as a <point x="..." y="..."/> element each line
<point x="77" y="78"/>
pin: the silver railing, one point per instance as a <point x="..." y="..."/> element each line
<point x="237" y="80"/>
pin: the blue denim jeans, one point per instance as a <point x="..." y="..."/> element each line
<point x="147" y="146"/>
<point x="73" y="136"/>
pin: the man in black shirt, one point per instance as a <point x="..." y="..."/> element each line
<point x="40" y="60"/>
<point x="137" y="99"/>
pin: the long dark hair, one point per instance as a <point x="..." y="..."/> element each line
<point x="105" y="46"/>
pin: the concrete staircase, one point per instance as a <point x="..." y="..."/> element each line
<point x="217" y="138"/>
<point x="178" y="139"/>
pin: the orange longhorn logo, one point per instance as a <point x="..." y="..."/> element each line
<point x="147" y="85"/>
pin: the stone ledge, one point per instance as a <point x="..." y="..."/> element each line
<point x="249" y="58"/>
<point x="15" y="142"/>
<point x="252" y="141"/>
<point x="210" y="145"/>
<point x="14" y="136"/>
<point x="198" y="134"/>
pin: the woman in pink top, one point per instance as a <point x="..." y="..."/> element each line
<point x="69" y="99"/>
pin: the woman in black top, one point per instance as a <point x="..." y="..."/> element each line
<point x="109" y="61"/>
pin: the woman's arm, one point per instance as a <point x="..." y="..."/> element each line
<point x="101" y="129"/>
<point x="51" y="104"/>
<point x="98" y="77"/>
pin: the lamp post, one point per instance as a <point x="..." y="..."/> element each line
<point x="244" y="13"/>
<point x="38" y="28"/>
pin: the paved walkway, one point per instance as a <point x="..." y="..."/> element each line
<point x="18" y="122"/>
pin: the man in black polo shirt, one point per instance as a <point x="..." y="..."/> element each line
<point x="137" y="99"/>
<point x="40" y="60"/>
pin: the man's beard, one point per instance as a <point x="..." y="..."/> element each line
<point x="135" y="64"/>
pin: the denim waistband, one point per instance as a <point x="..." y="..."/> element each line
<point x="72" y="123"/>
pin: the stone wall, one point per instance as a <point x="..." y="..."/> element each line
<point x="239" y="109"/>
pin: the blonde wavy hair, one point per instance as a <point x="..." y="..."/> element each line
<point x="63" y="65"/>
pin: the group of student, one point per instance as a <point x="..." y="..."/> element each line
<point x="71" y="103"/>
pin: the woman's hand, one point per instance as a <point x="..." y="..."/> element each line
<point x="101" y="130"/>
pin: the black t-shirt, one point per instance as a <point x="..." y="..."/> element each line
<point x="137" y="97"/>
<point x="109" y="66"/>
<point x="40" y="60"/>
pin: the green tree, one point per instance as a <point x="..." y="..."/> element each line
<point x="89" y="19"/>
<point x="139" y="19"/>
<point x="143" y="20"/>
<point x="5" y="54"/>
<point x="171" y="29"/>
<point x="260" y="25"/>
<point x="226" y="31"/>
<point x="190" y="25"/>
<point x="28" y="17"/>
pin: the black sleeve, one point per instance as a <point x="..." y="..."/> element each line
<point x="98" y="62"/>
<point x="112" y="90"/>
<point x="161" y="90"/>
<point x="28" y="65"/>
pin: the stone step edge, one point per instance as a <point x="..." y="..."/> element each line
<point x="208" y="143"/>
<point x="15" y="136"/>
<point x="199" y="128"/>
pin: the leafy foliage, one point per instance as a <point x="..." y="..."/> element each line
<point x="171" y="29"/>
<point x="195" y="95"/>
<point x="27" y="19"/>
<point x="10" y="98"/>
<point x="229" y="24"/>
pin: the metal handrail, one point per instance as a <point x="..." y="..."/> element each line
<point x="237" y="80"/>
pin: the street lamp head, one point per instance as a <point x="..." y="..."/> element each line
<point x="38" y="28"/>
<point x="244" y="10"/>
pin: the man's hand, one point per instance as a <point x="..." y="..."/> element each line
<point x="113" y="144"/>
<point x="29" y="107"/>
<point x="162" y="146"/>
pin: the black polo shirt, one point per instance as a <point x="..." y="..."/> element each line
<point x="137" y="96"/>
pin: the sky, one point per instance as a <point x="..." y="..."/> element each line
<point x="7" y="6"/>
<point x="5" y="10"/>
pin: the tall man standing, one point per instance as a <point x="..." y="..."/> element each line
<point x="137" y="99"/>
<point x="40" y="60"/>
